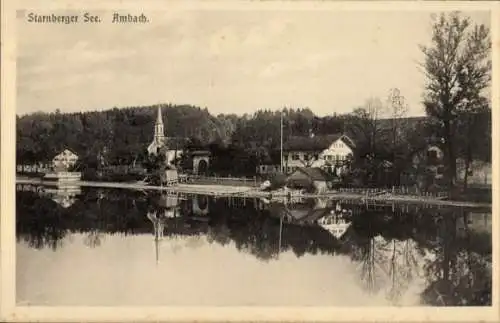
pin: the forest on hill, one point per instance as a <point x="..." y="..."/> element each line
<point x="125" y="133"/>
<point x="237" y="143"/>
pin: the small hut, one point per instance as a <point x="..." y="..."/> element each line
<point x="170" y="176"/>
<point x="309" y="178"/>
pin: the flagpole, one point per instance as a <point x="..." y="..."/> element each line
<point x="281" y="140"/>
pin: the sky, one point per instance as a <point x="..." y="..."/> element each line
<point x="227" y="61"/>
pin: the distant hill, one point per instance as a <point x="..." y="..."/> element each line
<point x="124" y="132"/>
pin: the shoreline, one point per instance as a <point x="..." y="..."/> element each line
<point x="246" y="191"/>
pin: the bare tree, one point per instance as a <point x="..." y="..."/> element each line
<point x="364" y="123"/>
<point x="397" y="109"/>
<point x="458" y="70"/>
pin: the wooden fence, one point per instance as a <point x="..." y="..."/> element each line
<point x="395" y="190"/>
<point x="237" y="181"/>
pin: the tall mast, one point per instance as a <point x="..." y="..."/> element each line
<point x="281" y="140"/>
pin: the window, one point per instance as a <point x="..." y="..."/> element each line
<point x="295" y="157"/>
<point x="306" y="157"/>
<point x="316" y="156"/>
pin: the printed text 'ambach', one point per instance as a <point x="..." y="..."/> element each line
<point x="86" y="17"/>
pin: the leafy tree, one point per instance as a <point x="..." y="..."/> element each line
<point x="457" y="68"/>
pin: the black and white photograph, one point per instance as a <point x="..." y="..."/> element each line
<point x="250" y="155"/>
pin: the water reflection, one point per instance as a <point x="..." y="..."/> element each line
<point x="306" y="252"/>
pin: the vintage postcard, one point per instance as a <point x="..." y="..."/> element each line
<point x="249" y="161"/>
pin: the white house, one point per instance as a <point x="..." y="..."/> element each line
<point x="326" y="152"/>
<point x="64" y="160"/>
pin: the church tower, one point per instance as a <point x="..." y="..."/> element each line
<point x="159" y="135"/>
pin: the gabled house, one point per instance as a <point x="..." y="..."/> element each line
<point x="430" y="158"/>
<point x="328" y="152"/>
<point x="309" y="178"/>
<point x="64" y="160"/>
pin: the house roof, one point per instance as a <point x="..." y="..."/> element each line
<point x="201" y="152"/>
<point x="66" y="152"/>
<point x="315" y="143"/>
<point x="176" y="142"/>
<point x="314" y="173"/>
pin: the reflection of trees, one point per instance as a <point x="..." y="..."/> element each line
<point x="93" y="239"/>
<point x="389" y="245"/>
<point x="404" y="267"/>
<point x="395" y="248"/>
<point x="220" y="234"/>
<point x="460" y="272"/>
<point x="43" y="223"/>
<point x="369" y="273"/>
<point x="39" y="221"/>
<point x="389" y="266"/>
<point x="258" y="233"/>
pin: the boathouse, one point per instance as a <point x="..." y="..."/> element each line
<point x="309" y="178"/>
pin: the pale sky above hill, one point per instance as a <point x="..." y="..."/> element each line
<point x="227" y="61"/>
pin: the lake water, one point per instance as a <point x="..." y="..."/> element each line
<point x="122" y="247"/>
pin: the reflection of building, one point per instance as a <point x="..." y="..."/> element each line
<point x="158" y="230"/>
<point x="301" y="214"/>
<point x="200" y="207"/>
<point x="170" y="205"/>
<point x="476" y="222"/>
<point x="167" y="207"/>
<point x="64" y="195"/>
<point x="337" y="222"/>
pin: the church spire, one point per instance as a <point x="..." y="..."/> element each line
<point x="159" y="131"/>
<point x="158" y="136"/>
<point x="159" y="119"/>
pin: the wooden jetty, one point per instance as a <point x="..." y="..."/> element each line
<point x="252" y="192"/>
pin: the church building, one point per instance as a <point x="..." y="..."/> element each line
<point x="160" y="143"/>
